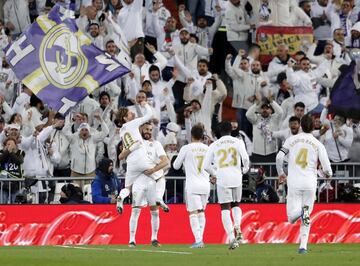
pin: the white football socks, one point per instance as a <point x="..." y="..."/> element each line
<point x="304" y="235"/>
<point x="155" y="224"/>
<point x="135" y="213"/>
<point x="160" y="189"/>
<point x="236" y="214"/>
<point x="227" y="223"/>
<point x="202" y="222"/>
<point x="195" y="227"/>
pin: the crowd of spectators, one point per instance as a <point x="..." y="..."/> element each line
<point x="185" y="64"/>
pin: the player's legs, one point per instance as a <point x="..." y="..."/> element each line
<point x="139" y="200"/>
<point x="225" y="198"/>
<point x="135" y="213"/>
<point x="130" y="178"/>
<point x="236" y="212"/>
<point x="201" y="214"/>
<point x="308" y="199"/>
<point x="151" y="196"/>
<point x="160" y="190"/>
<point x="193" y="205"/>
<point x="293" y="205"/>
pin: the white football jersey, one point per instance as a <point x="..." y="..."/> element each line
<point x="227" y="160"/>
<point x="192" y="156"/>
<point x="304" y="153"/>
<point x="154" y="151"/>
<point x="130" y="135"/>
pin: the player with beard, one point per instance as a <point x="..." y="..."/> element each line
<point x="147" y="190"/>
<point x="157" y="153"/>
<point x="134" y="149"/>
<point x="304" y="152"/>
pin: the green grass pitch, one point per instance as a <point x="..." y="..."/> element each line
<point x="169" y="255"/>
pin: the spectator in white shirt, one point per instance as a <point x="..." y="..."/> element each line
<point x="338" y="137"/>
<point x="305" y="84"/>
<point x="130" y="21"/>
<point x="264" y="123"/>
<point x="16" y="16"/>
<point x="237" y="25"/>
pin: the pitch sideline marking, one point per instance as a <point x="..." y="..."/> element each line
<point x="131" y="250"/>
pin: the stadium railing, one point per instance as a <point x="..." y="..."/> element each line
<point x="345" y="174"/>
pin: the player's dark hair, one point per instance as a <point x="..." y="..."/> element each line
<point x="294" y="119"/>
<point x="225" y="128"/>
<point x="197" y="132"/>
<point x="307" y="123"/>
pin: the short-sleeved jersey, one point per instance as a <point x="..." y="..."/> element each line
<point x="304" y="153"/>
<point x="225" y="159"/>
<point x="154" y="151"/>
<point x="192" y="156"/>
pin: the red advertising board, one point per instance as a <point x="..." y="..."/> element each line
<point x="100" y="224"/>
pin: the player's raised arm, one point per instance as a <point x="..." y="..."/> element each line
<point x="148" y="115"/>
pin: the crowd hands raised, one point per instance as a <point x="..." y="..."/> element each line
<point x="184" y="66"/>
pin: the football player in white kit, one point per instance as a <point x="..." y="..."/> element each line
<point x="145" y="189"/>
<point x="137" y="160"/>
<point x="197" y="185"/>
<point x="304" y="153"/>
<point x="226" y="161"/>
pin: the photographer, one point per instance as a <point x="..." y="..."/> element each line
<point x="11" y="160"/>
<point x="71" y="194"/>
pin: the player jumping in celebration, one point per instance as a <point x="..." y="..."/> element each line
<point x="304" y="152"/>
<point x="197" y="184"/>
<point x="226" y="161"/>
<point x="137" y="160"/>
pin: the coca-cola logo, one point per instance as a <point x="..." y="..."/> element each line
<point x="100" y="225"/>
<point x="69" y="228"/>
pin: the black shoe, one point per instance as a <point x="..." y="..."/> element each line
<point x="132" y="245"/>
<point x="163" y="206"/>
<point x="155" y="243"/>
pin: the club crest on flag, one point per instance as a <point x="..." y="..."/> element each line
<point x="59" y="63"/>
<point x="61" y="58"/>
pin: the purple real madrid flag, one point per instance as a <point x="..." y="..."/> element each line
<point x="58" y="62"/>
<point x="345" y="94"/>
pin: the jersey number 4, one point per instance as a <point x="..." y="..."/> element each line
<point x="224" y="155"/>
<point x="302" y="158"/>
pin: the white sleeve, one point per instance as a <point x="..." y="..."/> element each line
<point x="324" y="160"/>
<point x="208" y="166"/>
<point x="281" y="156"/>
<point x="244" y="157"/>
<point x="180" y="158"/>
